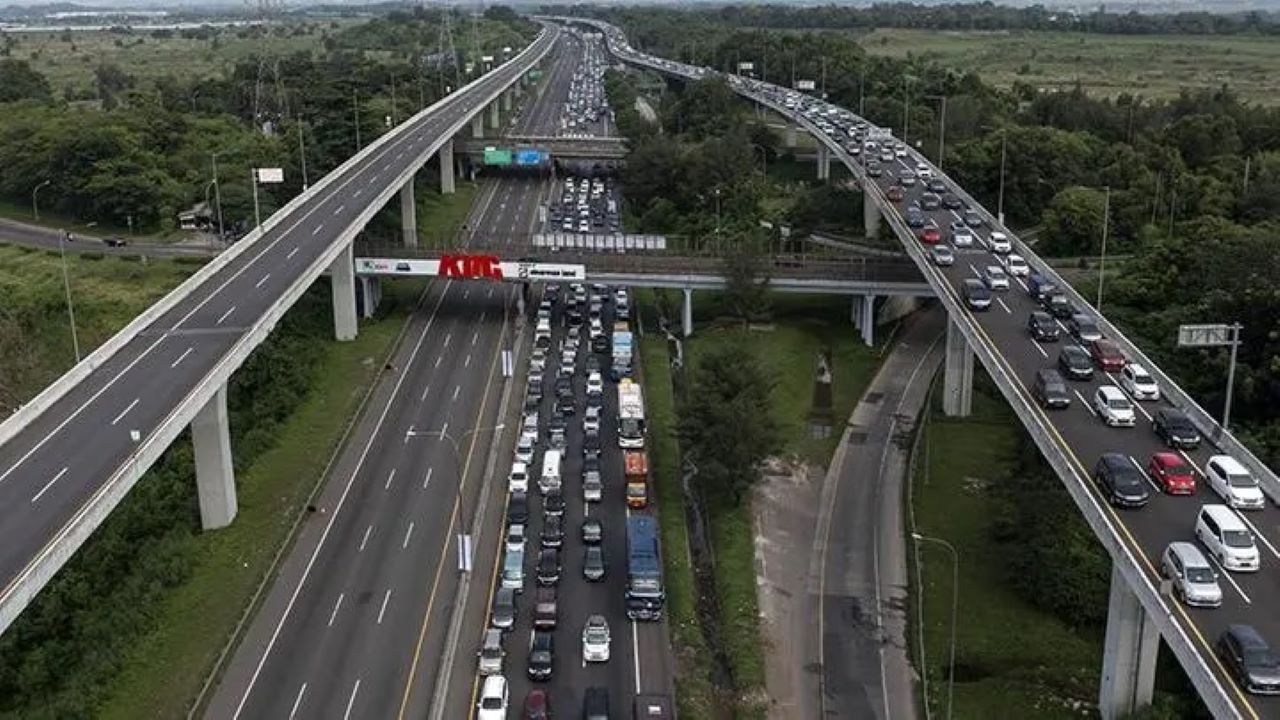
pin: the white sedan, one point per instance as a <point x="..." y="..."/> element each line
<point x="1017" y="266"/>
<point x="595" y="384"/>
<point x="1000" y="243"/>
<point x="595" y="639"/>
<point x="1138" y="382"/>
<point x="995" y="278"/>
<point x="493" y="699"/>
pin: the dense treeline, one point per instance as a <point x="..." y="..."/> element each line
<point x="143" y="151"/>
<point x="978" y="16"/>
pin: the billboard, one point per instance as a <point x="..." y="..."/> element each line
<point x="529" y="156"/>
<point x="270" y="175"/>
<point x="497" y="156"/>
<point x="475" y="267"/>
<point x="746" y="66"/>
<point x="805" y="85"/>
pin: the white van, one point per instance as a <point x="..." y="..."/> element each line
<point x="513" y="569"/>
<point x="550" y="471"/>
<point x="1233" y="483"/>
<point x="518" y="480"/>
<point x="1225" y="536"/>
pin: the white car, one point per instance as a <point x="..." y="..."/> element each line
<point x="595" y="639"/>
<point x="1113" y="406"/>
<point x="1017" y="266"/>
<point x="995" y="278"/>
<point x="923" y="171"/>
<point x="591" y="421"/>
<point x="530" y="423"/>
<point x="1000" y="242"/>
<point x="1138" y="382"/>
<point x="1233" y="482"/>
<point x="524" y="447"/>
<point x="595" y="383"/>
<point x="518" y="479"/>
<point x="515" y="538"/>
<point x="900" y="150"/>
<point x="493" y="699"/>
<point x="537" y="361"/>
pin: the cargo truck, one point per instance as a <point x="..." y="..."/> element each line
<point x="645" y="595"/>
<point x="636" y="470"/>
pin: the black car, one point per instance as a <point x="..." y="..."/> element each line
<point x="1084" y="328"/>
<point x="553" y="502"/>
<point x="594" y="364"/>
<point x="1042" y="327"/>
<point x="518" y="508"/>
<point x="951" y="201"/>
<point x="114" y="242"/>
<point x="548" y="566"/>
<point x="972" y="218"/>
<point x="930" y="201"/>
<point x="1121" y="480"/>
<point x="1248" y="656"/>
<point x="915" y="218"/>
<point x="593" y="568"/>
<point x="591" y="446"/>
<point x="574" y="315"/>
<point x="553" y="531"/>
<point x="565" y="405"/>
<point x="1175" y="429"/>
<point x="600" y="343"/>
<point x="1058" y="305"/>
<point x="564" y="387"/>
<point x="557" y="424"/>
<point x="592" y="531"/>
<point x="1051" y="390"/>
<point x="1075" y="363"/>
<point x="936" y="185"/>
<point x="873" y="169"/>
<point x="542" y="656"/>
<point x="977" y="295"/>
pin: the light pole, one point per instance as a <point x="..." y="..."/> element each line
<point x="459" y="497"/>
<point x="955" y="597"/>
<point x="217" y="194"/>
<point x="1004" y="138"/>
<point x="35" y="208"/>
<point x="906" y="107"/>
<point x="717" y="194"/>
<point x="1102" y="263"/>
<point x="66" y="285"/>
<point x="942" y="125"/>
<point x="355" y="114"/>
<point x="302" y="152"/>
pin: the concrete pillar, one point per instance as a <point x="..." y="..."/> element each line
<point x="370" y="295"/>
<point x="855" y="311"/>
<point x="957" y="391"/>
<point x="791" y="136"/>
<point x="477" y="125"/>
<point x="445" y="156"/>
<point x="868" y="323"/>
<point x="824" y="162"/>
<point x="1129" y="656"/>
<point x="215" y="475"/>
<point x="409" y="214"/>
<point x="342" y="273"/>
<point x="494" y="120"/>
<point x="506" y="100"/>
<point x="687" y="312"/>
<point x="870" y="217"/>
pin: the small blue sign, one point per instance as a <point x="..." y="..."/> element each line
<point x="530" y="157"/>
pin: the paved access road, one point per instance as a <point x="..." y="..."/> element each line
<point x="52" y="470"/>
<point x="13" y="232"/>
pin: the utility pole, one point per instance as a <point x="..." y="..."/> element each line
<point x="66" y="285"/>
<point x="257" y="215"/>
<point x="302" y="152"/>
<point x="1102" y="264"/>
<point x="355" y="114"/>
<point x="217" y="194"/>
<point x="824" y="77"/>
<point x="862" y="94"/>
<point x="1245" y="190"/>
<point x="906" y="109"/>
<point x="1004" y="140"/>
<point x="394" y="121"/>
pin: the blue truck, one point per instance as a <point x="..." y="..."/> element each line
<point x="645" y="595"/>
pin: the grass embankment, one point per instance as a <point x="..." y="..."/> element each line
<point x="440" y="217"/>
<point x="1159" y="66"/>
<point x="804" y="327"/>
<point x="166" y="668"/>
<point x="1004" y="646"/>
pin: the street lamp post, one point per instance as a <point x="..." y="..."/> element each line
<point x="942" y="125"/>
<point x="217" y="194"/>
<point x="955" y="596"/>
<point x="66" y="286"/>
<point x="1004" y="138"/>
<point x="459" y="497"/>
<point x="906" y="107"/>
<point x="1102" y="263"/>
<point x="717" y="194"/>
<point x="35" y="207"/>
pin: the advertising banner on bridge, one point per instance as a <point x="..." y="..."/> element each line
<point x="488" y="267"/>
<point x="616" y="242"/>
<point x="497" y="156"/>
<point x="529" y="156"/>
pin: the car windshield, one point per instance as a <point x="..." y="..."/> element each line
<point x="1117" y="403"/>
<point x="491" y="703"/>
<point x="1177" y="469"/>
<point x="1241" y="481"/>
<point x="1199" y="575"/>
<point x="1260" y="658"/>
<point x="1237" y="538"/>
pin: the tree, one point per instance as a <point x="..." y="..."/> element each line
<point x="727" y="424"/>
<point x="18" y="81"/>
<point x="1073" y="222"/>
<point x="746" y="281"/>
<point x="110" y="81"/>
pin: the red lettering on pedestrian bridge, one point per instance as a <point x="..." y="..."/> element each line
<point x="471" y="266"/>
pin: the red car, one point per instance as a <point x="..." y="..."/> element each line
<point x="537" y="705"/>
<point x="895" y="193"/>
<point x="930" y="235"/>
<point x="1172" y="473"/>
<point x="1107" y="355"/>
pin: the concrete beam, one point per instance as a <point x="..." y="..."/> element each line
<point x="215" y="474"/>
<point x="445" y="156"/>
<point x="870" y="218"/>
<point x="868" y="323"/>
<point x="409" y="214"/>
<point x="686" y="312"/>
<point x="342" y="275"/>
<point x="957" y="391"/>
<point x="1129" y="656"/>
<point x="495" y="120"/>
<point x="477" y="125"/>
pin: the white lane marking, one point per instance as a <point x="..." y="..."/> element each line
<point x="427" y="480"/>
<point x="333" y="615"/>
<point x="1187" y="457"/>
<point x="447" y="337"/>
<point x="292" y="253"/>
<point x="475" y="336"/>
<point x="181" y="357"/>
<point x="373" y="179"/>
<point x="444" y="430"/>
<point x="425" y="390"/>
<point x="408" y="434"/>
<point x="352" y="701"/>
<point x="1258" y="534"/>
<point x="357" y="192"/>
<point x="226" y="314"/>
<point x="1146" y="476"/>
<point x="1224" y="573"/>
<point x="467" y="362"/>
<point x="49" y="484"/>
<point x="635" y="655"/>
<point x="1085" y="404"/>
<point x="338" y="210"/>
<point x="457" y="389"/>
<point x="383" y="610"/>
<point x="264" y="279"/>
<point x="390" y="476"/>
<point x="466" y="292"/>
<point x="399" y="154"/>
<point x="317" y="230"/>
<point x="297" y="701"/>
<point x="1129" y="395"/>
<point x="438" y="360"/>
<point x="365" y="540"/>
<point x="407" y="535"/>
<point x="1006" y="307"/>
<point x="124" y="411"/>
<point x="482" y="312"/>
<point x="1036" y="345"/>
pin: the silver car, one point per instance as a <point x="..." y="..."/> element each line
<point x="1193" y="578"/>
<point x="942" y="256"/>
<point x="491" y="653"/>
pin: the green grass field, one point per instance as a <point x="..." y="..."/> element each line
<point x="1149" y="65"/>
<point x="1012" y="659"/>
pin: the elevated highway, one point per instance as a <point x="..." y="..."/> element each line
<point x="69" y="456"/>
<point x="1142" y="610"/>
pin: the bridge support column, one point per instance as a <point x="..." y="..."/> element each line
<point x="506" y="100"/>
<point x="824" y="162"/>
<point x="686" y="312"/>
<point x="791" y="136"/>
<point x="870" y="217"/>
<point x="477" y="125"/>
<point x="342" y="273"/>
<point x="215" y="475"/>
<point x="445" y="156"/>
<point x="1129" y="656"/>
<point x="957" y="391"/>
<point x="495" y="121"/>
<point x="370" y="295"/>
<point x="868" y="323"/>
<point x="409" y="214"/>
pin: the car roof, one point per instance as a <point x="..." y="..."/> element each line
<point x="1111" y="392"/>
<point x="1168" y="458"/>
<point x="1189" y="553"/>
<point x="494" y="685"/>
<point x="1246" y="635"/>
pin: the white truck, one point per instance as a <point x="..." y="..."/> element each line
<point x="630" y="415"/>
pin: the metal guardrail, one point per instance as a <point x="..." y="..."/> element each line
<point x="1075" y="478"/>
